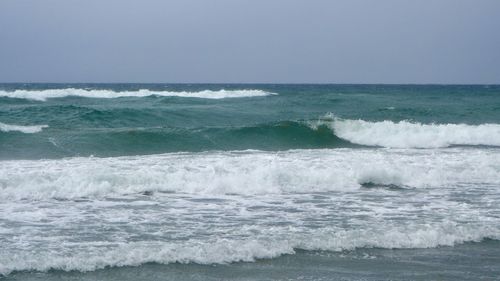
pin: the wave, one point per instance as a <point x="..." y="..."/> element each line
<point x="23" y="129"/>
<point x="43" y="95"/>
<point x="272" y="136"/>
<point x="247" y="173"/>
<point x="405" y="134"/>
<point x="223" y="251"/>
<point x="106" y="142"/>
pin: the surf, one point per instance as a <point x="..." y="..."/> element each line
<point x="246" y="172"/>
<point x="268" y="245"/>
<point x="406" y="134"/>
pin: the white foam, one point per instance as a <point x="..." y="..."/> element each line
<point x="221" y="251"/>
<point x="42" y="95"/>
<point x="406" y="134"/>
<point x="299" y="171"/>
<point x="381" y="176"/>
<point x="224" y="207"/>
<point x="23" y="129"/>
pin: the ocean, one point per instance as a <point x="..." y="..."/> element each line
<point x="249" y="182"/>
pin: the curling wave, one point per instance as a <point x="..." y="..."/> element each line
<point x="271" y="136"/>
<point x="42" y="95"/>
<point x="406" y="134"/>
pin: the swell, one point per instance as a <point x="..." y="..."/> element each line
<point x="89" y="137"/>
<point x="105" y="142"/>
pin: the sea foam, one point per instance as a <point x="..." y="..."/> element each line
<point x="42" y="95"/>
<point x="23" y="129"/>
<point x="251" y="172"/>
<point x="222" y="251"/>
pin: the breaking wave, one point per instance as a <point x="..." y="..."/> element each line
<point x="222" y="251"/>
<point x="274" y="136"/>
<point x="405" y="134"/>
<point x="42" y="95"/>
<point x="23" y="129"/>
<point x="247" y="173"/>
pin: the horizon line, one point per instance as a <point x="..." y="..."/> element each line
<point x="269" y="83"/>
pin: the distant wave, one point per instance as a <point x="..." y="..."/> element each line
<point x="405" y="134"/>
<point x="23" y="129"/>
<point x="42" y="95"/>
<point x="223" y="251"/>
<point x="295" y="171"/>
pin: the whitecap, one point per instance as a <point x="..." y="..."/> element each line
<point x="43" y="95"/>
<point x="23" y="129"/>
<point x="405" y="134"/>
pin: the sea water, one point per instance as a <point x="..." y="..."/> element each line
<point x="249" y="182"/>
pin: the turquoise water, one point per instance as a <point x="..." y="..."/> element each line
<point x="128" y="125"/>
<point x="249" y="182"/>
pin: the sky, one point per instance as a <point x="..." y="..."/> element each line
<point x="250" y="41"/>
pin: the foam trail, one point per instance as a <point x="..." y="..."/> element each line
<point x="23" y="129"/>
<point x="267" y="246"/>
<point x="42" y="95"/>
<point x="299" y="171"/>
<point x="406" y="134"/>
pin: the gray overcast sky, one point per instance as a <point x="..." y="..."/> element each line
<point x="313" y="41"/>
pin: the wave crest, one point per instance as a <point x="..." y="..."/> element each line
<point x="406" y="134"/>
<point x="23" y="129"/>
<point x="43" y="95"/>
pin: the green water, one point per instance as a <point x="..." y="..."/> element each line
<point x="81" y="126"/>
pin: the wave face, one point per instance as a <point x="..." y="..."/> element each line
<point x="23" y="129"/>
<point x="405" y="134"/>
<point x="283" y="135"/>
<point x="105" y="142"/>
<point x="42" y="95"/>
